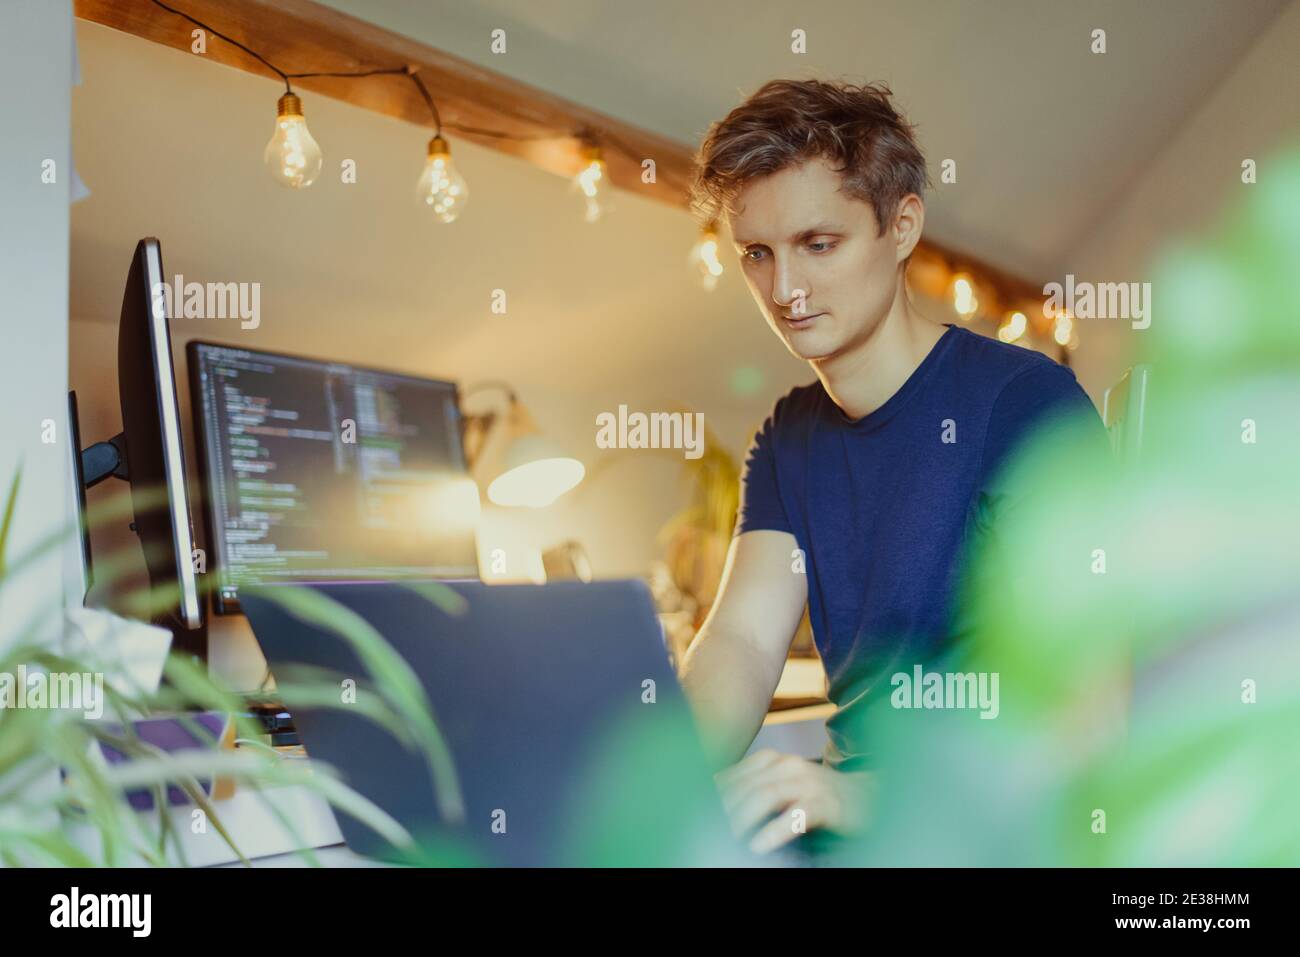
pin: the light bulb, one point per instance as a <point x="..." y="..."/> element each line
<point x="1014" y="327"/>
<point x="292" y="156"/>
<point x="704" y="256"/>
<point x="1063" y="330"/>
<point x="591" y="183"/>
<point x="440" y="186"/>
<point x="964" y="300"/>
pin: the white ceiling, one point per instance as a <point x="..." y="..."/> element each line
<point x="1046" y="134"/>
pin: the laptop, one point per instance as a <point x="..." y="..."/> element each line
<point x="567" y="738"/>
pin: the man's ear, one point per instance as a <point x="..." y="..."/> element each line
<point x="908" y="225"/>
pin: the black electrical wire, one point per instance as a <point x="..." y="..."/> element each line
<point x="383" y="71"/>
<point x="424" y="92"/>
<point x="217" y="33"/>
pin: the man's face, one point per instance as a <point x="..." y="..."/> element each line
<point x="795" y="230"/>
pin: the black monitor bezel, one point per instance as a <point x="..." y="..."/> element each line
<point x="230" y="606"/>
<point x="82" y="529"/>
<point x="144" y="339"/>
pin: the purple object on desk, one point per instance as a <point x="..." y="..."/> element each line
<point x="173" y="737"/>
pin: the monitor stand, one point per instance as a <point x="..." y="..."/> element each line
<point x="105" y="460"/>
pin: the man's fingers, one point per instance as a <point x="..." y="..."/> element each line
<point x="755" y="768"/>
<point x="740" y="786"/>
<point x="765" y="799"/>
<point x="777" y="832"/>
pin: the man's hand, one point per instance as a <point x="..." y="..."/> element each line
<point x="770" y="783"/>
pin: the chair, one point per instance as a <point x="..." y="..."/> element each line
<point x="1123" y="412"/>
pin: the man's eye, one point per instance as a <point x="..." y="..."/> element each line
<point x="824" y="246"/>
<point x="749" y="257"/>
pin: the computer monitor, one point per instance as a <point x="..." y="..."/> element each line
<point x="325" y="471"/>
<point x="79" y="567"/>
<point x="151" y="454"/>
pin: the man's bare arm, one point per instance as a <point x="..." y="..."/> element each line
<point x="732" y="667"/>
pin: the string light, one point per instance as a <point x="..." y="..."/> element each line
<point x="964" y="299"/>
<point x="440" y="186"/>
<point x="590" y="181"/>
<point x="988" y="298"/>
<point x="704" y="256"/>
<point x="1014" y="327"/>
<point x="294" y="159"/>
<point x="1063" y="330"/>
<point x="292" y="156"/>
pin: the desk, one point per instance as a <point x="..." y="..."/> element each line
<point x="253" y="819"/>
<point x="800" y="731"/>
<point x="803" y="679"/>
<point x="336" y="855"/>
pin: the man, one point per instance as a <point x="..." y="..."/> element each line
<point x="860" y="489"/>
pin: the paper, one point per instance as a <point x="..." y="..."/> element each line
<point x="131" y="654"/>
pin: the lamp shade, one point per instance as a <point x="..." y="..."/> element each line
<point x="525" y="468"/>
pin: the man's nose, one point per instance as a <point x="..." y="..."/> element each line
<point x="789" y="290"/>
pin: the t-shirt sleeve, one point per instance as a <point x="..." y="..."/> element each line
<point x="1035" y="401"/>
<point x="1043" y="397"/>
<point x="760" y="501"/>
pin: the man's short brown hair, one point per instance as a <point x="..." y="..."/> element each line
<point x="787" y="122"/>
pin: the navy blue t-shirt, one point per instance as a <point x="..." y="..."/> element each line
<point x="881" y="506"/>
